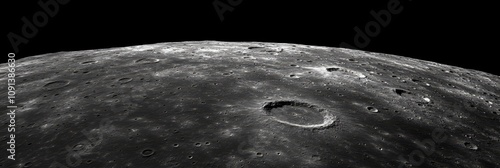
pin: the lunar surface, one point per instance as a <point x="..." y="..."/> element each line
<point x="249" y="104"/>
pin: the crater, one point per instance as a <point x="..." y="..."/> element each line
<point x="28" y="164"/>
<point x="254" y="47"/>
<point x="78" y="147"/>
<point x="332" y="69"/>
<point x="147" y="60"/>
<point x="470" y="146"/>
<point x="372" y="109"/>
<point x="299" y="114"/>
<point x="259" y="154"/>
<point x="124" y="80"/>
<point x="147" y="152"/>
<point x="88" y="62"/>
<point x="264" y="49"/>
<point x="401" y="91"/>
<point x="56" y="85"/>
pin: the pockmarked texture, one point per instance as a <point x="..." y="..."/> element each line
<point x="250" y="104"/>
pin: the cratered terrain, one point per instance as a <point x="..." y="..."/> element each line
<point x="250" y="104"/>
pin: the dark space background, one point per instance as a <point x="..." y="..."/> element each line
<point x="449" y="32"/>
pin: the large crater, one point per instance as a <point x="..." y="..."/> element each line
<point x="299" y="114"/>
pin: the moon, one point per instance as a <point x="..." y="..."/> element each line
<point x="250" y="104"/>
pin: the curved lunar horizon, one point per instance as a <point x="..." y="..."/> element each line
<point x="250" y="104"/>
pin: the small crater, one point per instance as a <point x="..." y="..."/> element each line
<point x="294" y="76"/>
<point x="294" y="65"/>
<point x="28" y="164"/>
<point x="88" y="62"/>
<point x="197" y="144"/>
<point x="175" y="145"/>
<point x="332" y="69"/>
<point x="56" y="84"/>
<point x="401" y="91"/>
<point x="147" y="152"/>
<point x="147" y="60"/>
<point x="470" y="146"/>
<point x="372" y="109"/>
<point x="124" y="80"/>
<point x="77" y="147"/>
<point x="259" y="154"/>
<point x="254" y="47"/>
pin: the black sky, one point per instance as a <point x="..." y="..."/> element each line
<point x="454" y="33"/>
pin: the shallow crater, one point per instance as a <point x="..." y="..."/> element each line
<point x="56" y="84"/>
